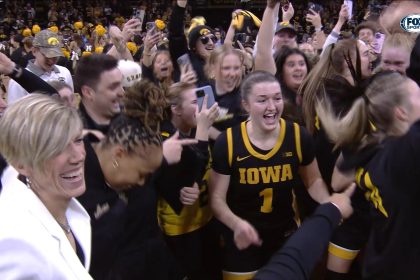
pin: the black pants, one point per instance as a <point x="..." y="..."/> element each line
<point x="198" y="253"/>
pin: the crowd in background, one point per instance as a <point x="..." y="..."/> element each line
<point x="192" y="149"/>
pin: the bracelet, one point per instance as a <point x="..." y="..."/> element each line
<point x="319" y="29"/>
<point x="339" y="209"/>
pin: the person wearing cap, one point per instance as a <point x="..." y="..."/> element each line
<point x="285" y="35"/>
<point x="201" y="42"/>
<point x="46" y="50"/>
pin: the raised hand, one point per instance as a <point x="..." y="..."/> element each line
<point x="188" y="74"/>
<point x="206" y="116"/>
<point x="288" y="12"/>
<point x="314" y="18"/>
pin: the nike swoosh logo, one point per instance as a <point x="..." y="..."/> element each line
<point x="242" y="158"/>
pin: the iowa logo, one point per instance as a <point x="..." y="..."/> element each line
<point x="204" y="31"/>
<point x="53" y="41"/>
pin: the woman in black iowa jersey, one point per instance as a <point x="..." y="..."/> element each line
<point x="255" y="166"/>
<point x="382" y="132"/>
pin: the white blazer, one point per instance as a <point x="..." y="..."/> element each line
<point x="32" y="244"/>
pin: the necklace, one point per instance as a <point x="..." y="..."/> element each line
<point x="65" y="227"/>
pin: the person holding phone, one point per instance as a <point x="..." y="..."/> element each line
<point x="183" y="208"/>
<point x="200" y="44"/>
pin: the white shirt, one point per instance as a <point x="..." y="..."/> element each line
<point x="60" y="73"/>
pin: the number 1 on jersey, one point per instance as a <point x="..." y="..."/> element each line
<point x="267" y="194"/>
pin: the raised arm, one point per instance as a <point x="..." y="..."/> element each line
<point x="25" y="78"/>
<point x="264" y="55"/>
<point x="332" y="38"/>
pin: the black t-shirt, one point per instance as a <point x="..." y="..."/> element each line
<point x="390" y="176"/>
<point x="230" y="109"/>
<point x="261" y="182"/>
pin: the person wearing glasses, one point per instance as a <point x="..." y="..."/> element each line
<point x="201" y="42"/>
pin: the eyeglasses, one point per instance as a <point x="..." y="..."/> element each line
<point x="206" y="39"/>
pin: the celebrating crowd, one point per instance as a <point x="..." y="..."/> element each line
<point x="158" y="147"/>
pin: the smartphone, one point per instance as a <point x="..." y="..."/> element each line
<point x="203" y="91"/>
<point x="316" y="7"/>
<point x="139" y="14"/>
<point x="151" y="26"/>
<point x="349" y="4"/>
<point x="183" y="59"/>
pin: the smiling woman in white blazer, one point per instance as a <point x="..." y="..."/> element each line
<point x="44" y="232"/>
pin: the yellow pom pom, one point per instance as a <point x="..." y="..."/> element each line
<point x="35" y="28"/>
<point x="66" y="53"/>
<point x="86" y="53"/>
<point x="196" y="21"/>
<point x="78" y="25"/>
<point x="99" y="49"/>
<point x="160" y="24"/>
<point x="132" y="47"/>
<point x="100" y="30"/>
<point x="26" y="32"/>
<point x="53" y="28"/>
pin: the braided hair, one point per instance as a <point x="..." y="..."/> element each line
<point x="138" y="124"/>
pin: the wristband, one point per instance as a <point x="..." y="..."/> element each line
<point x="319" y="29"/>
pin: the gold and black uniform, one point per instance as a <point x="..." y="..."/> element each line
<point x="390" y="177"/>
<point x="260" y="188"/>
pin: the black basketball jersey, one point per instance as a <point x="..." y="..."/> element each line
<point x="261" y="182"/>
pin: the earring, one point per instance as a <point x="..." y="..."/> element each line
<point x="115" y="163"/>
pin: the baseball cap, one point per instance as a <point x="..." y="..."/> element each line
<point x="282" y="26"/>
<point x="48" y="43"/>
<point x="131" y="72"/>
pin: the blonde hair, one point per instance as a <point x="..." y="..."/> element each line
<point x="37" y="128"/>
<point x="371" y="117"/>
<point x="216" y="58"/>
<point x="399" y="40"/>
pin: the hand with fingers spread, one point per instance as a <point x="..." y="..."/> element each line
<point x="288" y="12"/>
<point x="172" y="147"/>
<point x="188" y="74"/>
<point x="245" y="235"/>
<point x="343" y="201"/>
<point x="189" y="195"/>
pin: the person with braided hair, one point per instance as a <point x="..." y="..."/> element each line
<point x="115" y="166"/>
